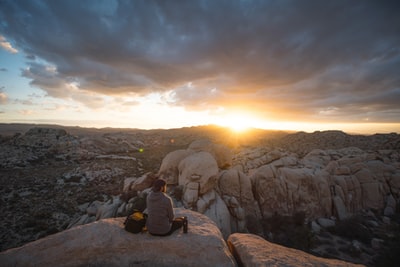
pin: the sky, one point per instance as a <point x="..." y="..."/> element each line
<point x="302" y="65"/>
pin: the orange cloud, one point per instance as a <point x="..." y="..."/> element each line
<point x="7" y="46"/>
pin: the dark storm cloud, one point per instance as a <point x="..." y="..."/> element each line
<point x="309" y="57"/>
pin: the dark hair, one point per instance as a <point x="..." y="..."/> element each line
<point x="158" y="184"/>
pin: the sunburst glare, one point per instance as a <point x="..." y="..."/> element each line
<point x="239" y="122"/>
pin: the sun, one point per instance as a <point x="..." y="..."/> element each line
<point x="237" y="122"/>
<point x="239" y="126"/>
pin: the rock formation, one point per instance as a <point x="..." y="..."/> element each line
<point x="252" y="250"/>
<point x="106" y="243"/>
<point x="323" y="183"/>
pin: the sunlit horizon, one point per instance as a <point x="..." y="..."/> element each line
<point x="263" y="66"/>
<point x="349" y="128"/>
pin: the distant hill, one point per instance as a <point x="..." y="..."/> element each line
<point x="251" y="137"/>
<point x="299" y="142"/>
<point x="303" y="143"/>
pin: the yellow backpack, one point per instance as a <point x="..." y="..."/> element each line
<point x="135" y="222"/>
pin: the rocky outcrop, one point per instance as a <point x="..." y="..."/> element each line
<point x="346" y="179"/>
<point x="222" y="154"/>
<point x="198" y="175"/>
<point x="106" y="243"/>
<point x="302" y="143"/>
<point x="225" y="197"/>
<point x="37" y="145"/>
<point x="169" y="166"/>
<point x="264" y="182"/>
<point x="236" y="189"/>
<point x="252" y="250"/>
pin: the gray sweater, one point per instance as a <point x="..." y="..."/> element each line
<point x="160" y="213"/>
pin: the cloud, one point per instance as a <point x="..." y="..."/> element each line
<point x="7" y="46"/>
<point x="302" y="57"/>
<point x="3" y="98"/>
<point x="47" y="78"/>
<point x="26" y="112"/>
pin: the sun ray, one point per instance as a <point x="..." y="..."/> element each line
<point x="238" y="122"/>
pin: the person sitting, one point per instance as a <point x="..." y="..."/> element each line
<point x="161" y="219"/>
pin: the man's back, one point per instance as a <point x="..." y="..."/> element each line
<point x="160" y="213"/>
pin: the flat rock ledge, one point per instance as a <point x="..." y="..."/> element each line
<point x="252" y="250"/>
<point x="106" y="243"/>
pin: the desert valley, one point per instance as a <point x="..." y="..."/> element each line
<point x="330" y="194"/>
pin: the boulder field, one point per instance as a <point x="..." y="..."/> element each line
<point x="60" y="178"/>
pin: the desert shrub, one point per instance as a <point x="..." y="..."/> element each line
<point x="125" y="196"/>
<point x="289" y="231"/>
<point x="299" y="218"/>
<point x="352" y="228"/>
<point x="41" y="214"/>
<point x="51" y="230"/>
<point x="138" y="203"/>
<point x="178" y="192"/>
<point x="253" y="224"/>
<point x="390" y="255"/>
<point x="35" y="225"/>
<point x="30" y="223"/>
<point x="74" y="179"/>
<point x="390" y="252"/>
<point x="331" y="252"/>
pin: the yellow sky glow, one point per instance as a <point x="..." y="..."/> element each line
<point x="151" y="115"/>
